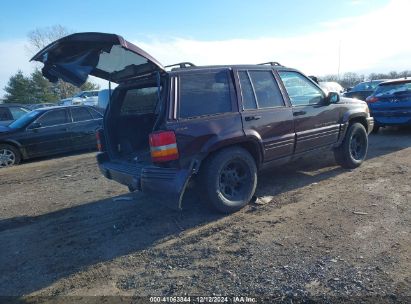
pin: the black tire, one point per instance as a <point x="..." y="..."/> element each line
<point x="9" y="155"/>
<point x="229" y="179"/>
<point x="375" y="129"/>
<point x="353" y="150"/>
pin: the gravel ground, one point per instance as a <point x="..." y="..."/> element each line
<point x="316" y="232"/>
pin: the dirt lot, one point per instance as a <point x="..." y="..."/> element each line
<point x="316" y="232"/>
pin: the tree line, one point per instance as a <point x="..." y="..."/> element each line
<point x="37" y="89"/>
<point x="348" y="80"/>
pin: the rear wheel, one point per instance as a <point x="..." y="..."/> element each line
<point x="230" y="179"/>
<point x="353" y="150"/>
<point x="9" y="156"/>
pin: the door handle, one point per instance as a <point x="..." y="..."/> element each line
<point x="249" y="118"/>
<point x="299" y="113"/>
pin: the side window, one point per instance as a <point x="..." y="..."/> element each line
<point x="261" y="85"/>
<point x="247" y="91"/>
<point x="204" y="94"/>
<point x="52" y="118"/>
<point x="4" y="114"/>
<point x="266" y="89"/>
<point x="300" y="89"/>
<point x="17" y="112"/>
<point x="80" y="114"/>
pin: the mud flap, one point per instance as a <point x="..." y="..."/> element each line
<point x="166" y="184"/>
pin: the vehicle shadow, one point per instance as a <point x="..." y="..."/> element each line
<point x="37" y="251"/>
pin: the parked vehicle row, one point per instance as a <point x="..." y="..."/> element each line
<point x="364" y="89"/>
<point x="219" y="123"/>
<point x="49" y="131"/>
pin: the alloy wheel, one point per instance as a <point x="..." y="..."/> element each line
<point x="7" y="158"/>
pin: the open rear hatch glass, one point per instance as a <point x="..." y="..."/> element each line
<point x="108" y="56"/>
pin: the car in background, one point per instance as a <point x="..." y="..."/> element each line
<point x="10" y="112"/>
<point x="103" y="99"/>
<point x="364" y="89"/>
<point x="49" y="131"/>
<point x="41" y="105"/>
<point x="390" y="104"/>
<point x="87" y="98"/>
<point x="331" y="86"/>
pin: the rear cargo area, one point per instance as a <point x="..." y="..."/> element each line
<point x="133" y="114"/>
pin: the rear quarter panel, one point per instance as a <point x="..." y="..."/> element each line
<point x="198" y="137"/>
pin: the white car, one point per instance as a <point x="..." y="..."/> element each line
<point x="87" y="98"/>
<point x="331" y="86"/>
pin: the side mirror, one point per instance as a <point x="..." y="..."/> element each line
<point x="35" y="125"/>
<point x="332" y="97"/>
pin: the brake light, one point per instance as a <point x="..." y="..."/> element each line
<point x="163" y="146"/>
<point x="371" y="99"/>
<point x="99" y="137"/>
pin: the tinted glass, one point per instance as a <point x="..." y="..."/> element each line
<point x="266" y="89"/>
<point x="4" y="114"/>
<point x="300" y="89"/>
<point x="388" y="89"/>
<point x="247" y="91"/>
<point x="17" y="112"/>
<point x="139" y="101"/>
<point x="80" y="114"/>
<point x="204" y="94"/>
<point x="55" y="117"/>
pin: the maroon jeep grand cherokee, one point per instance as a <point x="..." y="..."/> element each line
<point x="223" y="123"/>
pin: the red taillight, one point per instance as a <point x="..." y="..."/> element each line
<point x="371" y="99"/>
<point x="163" y="146"/>
<point x="98" y="139"/>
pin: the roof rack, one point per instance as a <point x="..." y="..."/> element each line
<point x="181" y="65"/>
<point x="272" y="63"/>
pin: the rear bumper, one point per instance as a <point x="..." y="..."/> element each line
<point x="162" y="183"/>
<point x="391" y="116"/>
<point x="392" y="121"/>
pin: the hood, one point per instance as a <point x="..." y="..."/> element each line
<point x="347" y="100"/>
<point x="4" y="129"/>
<point x="108" y="56"/>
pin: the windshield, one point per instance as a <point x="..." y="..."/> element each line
<point x="24" y="120"/>
<point x="389" y="89"/>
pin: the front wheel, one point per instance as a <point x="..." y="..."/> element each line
<point x="9" y="156"/>
<point x="230" y="179"/>
<point x="353" y="150"/>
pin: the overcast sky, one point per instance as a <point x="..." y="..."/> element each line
<point x="369" y="35"/>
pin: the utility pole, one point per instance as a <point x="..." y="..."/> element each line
<point x="339" y="60"/>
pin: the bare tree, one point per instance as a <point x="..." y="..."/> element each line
<point x="41" y="37"/>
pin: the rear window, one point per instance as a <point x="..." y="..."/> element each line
<point x="139" y="101"/>
<point x="204" y="94"/>
<point x="393" y="88"/>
